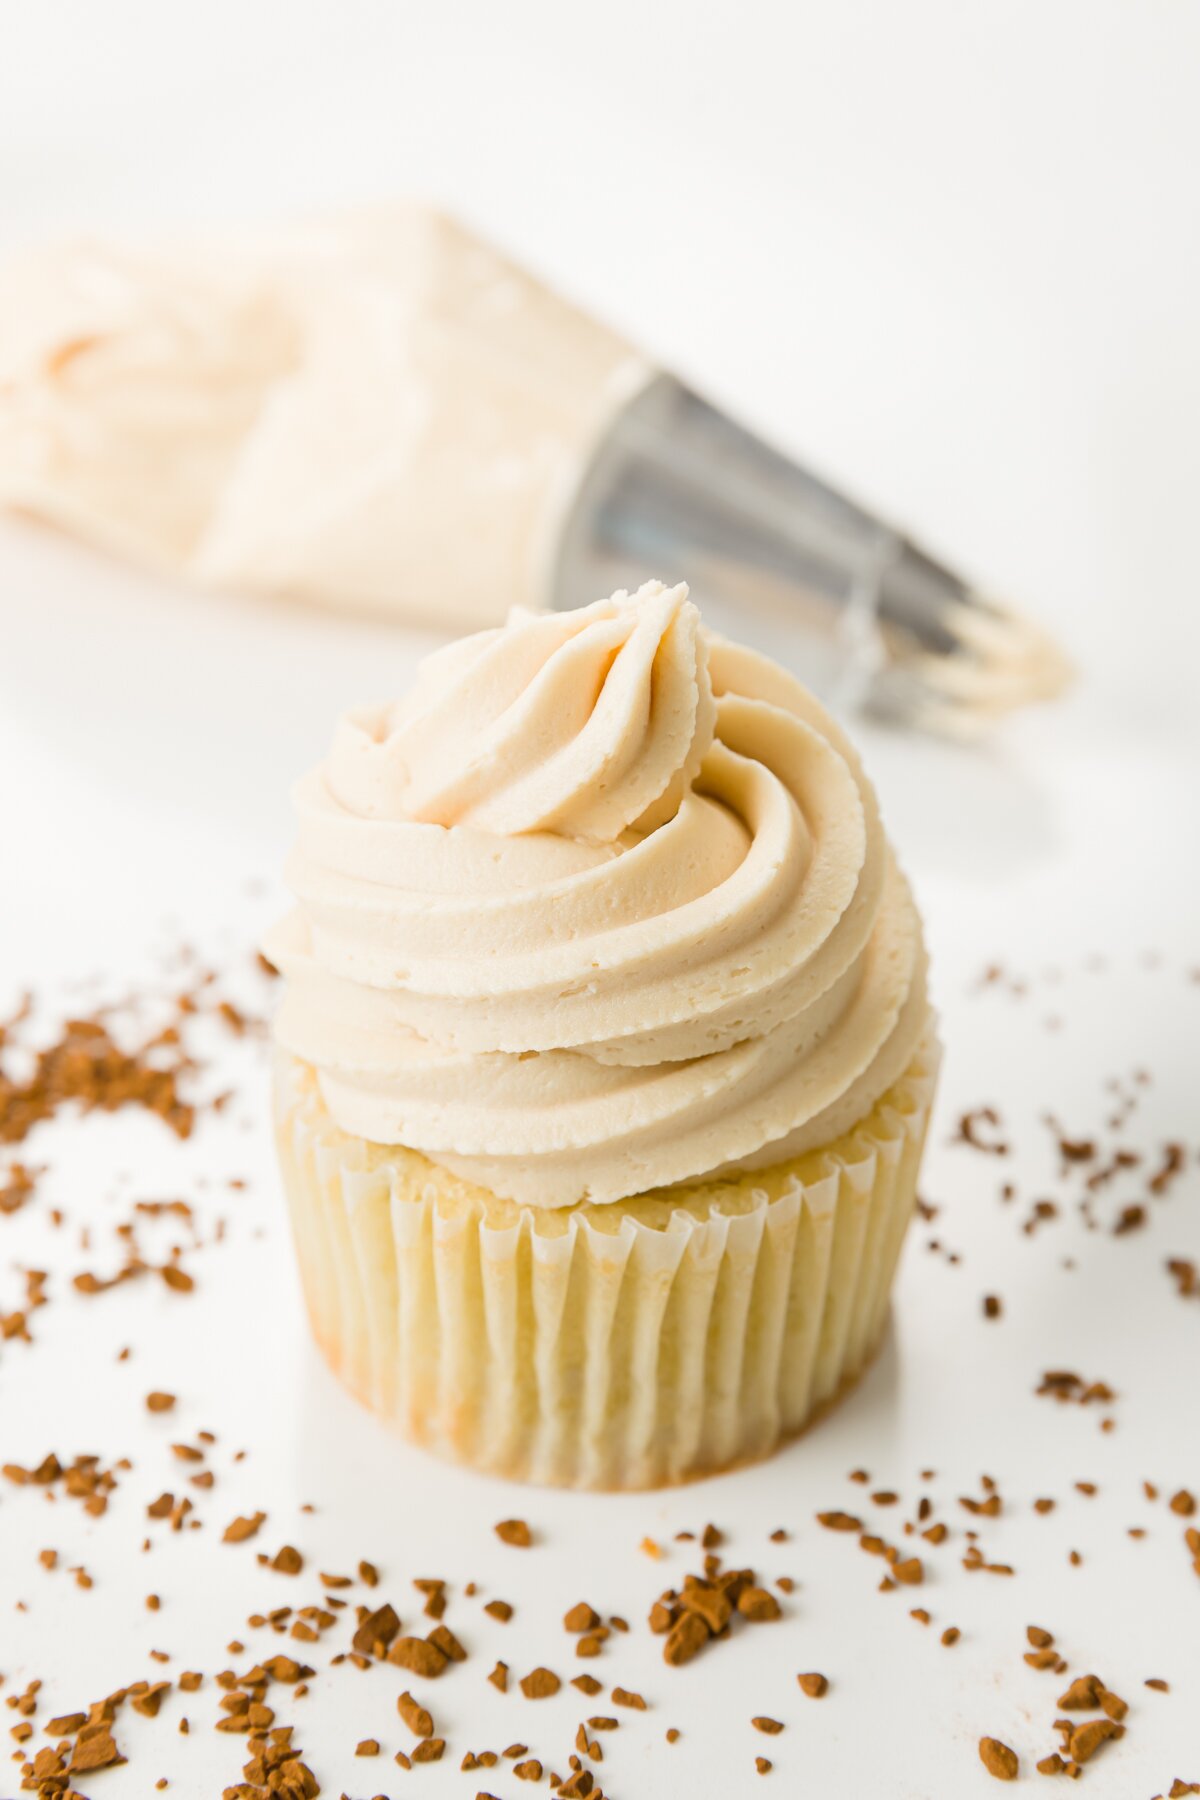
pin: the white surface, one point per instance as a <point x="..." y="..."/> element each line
<point x="965" y="239"/>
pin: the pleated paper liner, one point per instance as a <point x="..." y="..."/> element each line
<point x="625" y="1346"/>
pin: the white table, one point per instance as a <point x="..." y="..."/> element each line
<point x="963" y="235"/>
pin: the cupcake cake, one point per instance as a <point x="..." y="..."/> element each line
<point x="604" y="1052"/>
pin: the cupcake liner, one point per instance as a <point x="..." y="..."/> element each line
<point x="625" y="1346"/>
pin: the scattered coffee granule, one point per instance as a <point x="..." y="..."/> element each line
<point x="577" y="1786"/>
<point x="419" y="1655"/>
<point x="1051" y="1765"/>
<point x="240" y="1529"/>
<point x="367" y="1747"/>
<point x="998" y="1759"/>
<point x="685" y="1639"/>
<point x="95" y="1749"/>
<point x="993" y="1306"/>
<point x="287" y="1560"/>
<point x="418" y="1719"/>
<point x="1173" y="1163"/>
<point x="159" y="1402"/>
<point x="839" y="1521"/>
<point x="763" y="1764"/>
<point x="626" y="1697"/>
<point x="430" y="1749"/>
<point x="581" y="1617"/>
<point x="540" y="1684"/>
<point x="434" y="1590"/>
<point x="443" y="1639"/>
<point x="19" y="1186"/>
<point x="376" y="1632"/>
<point x="759" y="1605"/>
<point x="515" y="1532"/>
<point x="1158" y="1684"/>
<point x="951" y="1635"/>
<point x="499" y="1609"/>
<point x="814" y="1685"/>
<point x="587" y="1684"/>
<point x="1083" y="1695"/>
<point x="1086" y="1739"/>
<point x="529" y="1770"/>
<point x="1183" y="1503"/>
<point x="772" y="1727"/>
<point x="968" y="1131"/>
<point x="1186" y="1275"/>
<point x="66" y="1725"/>
<point x="499" y="1677"/>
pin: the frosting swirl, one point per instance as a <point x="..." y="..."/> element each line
<point x="603" y="905"/>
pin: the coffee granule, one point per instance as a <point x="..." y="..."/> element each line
<point x="419" y="1655"/>
<point x="239" y="1530"/>
<point x="998" y="1759"/>
<point x="515" y="1532"/>
<point x="540" y="1684"/>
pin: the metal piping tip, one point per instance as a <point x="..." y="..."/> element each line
<point x="952" y="658"/>
<point x="775" y="557"/>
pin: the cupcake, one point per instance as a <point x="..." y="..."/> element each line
<point x="604" y="1054"/>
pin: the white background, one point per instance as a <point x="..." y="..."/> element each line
<point x="951" y="253"/>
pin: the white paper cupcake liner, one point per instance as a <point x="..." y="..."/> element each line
<point x="625" y="1346"/>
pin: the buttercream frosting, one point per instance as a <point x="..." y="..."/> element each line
<point x="604" y="904"/>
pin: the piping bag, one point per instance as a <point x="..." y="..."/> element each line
<point x="379" y="412"/>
